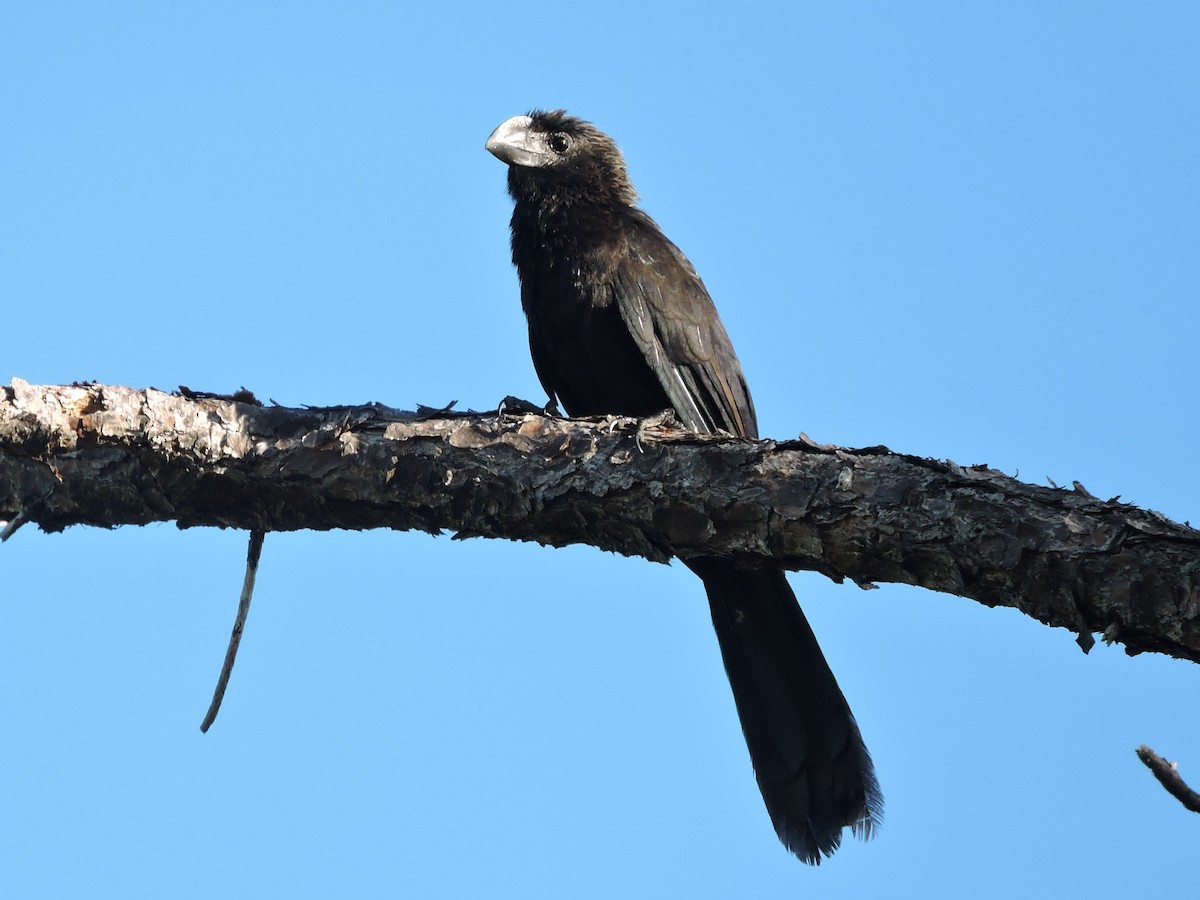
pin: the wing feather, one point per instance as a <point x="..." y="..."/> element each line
<point x="672" y="319"/>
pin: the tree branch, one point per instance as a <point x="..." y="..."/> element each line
<point x="1169" y="777"/>
<point x="253" y="553"/>
<point x="101" y="455"/>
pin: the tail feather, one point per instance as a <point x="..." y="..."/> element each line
<point x="812" y="766"/>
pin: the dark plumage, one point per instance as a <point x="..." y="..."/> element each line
<point x="620" y="323"/>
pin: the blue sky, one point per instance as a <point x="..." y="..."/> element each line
<point x="966" y="231"/>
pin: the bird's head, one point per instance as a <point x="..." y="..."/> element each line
<point x="554" y="151"/>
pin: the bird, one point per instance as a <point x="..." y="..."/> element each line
<point x="621" y="324"/>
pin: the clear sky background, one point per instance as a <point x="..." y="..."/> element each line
<point x="966" y="231"/>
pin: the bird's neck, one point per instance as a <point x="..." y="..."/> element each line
<point x="569" y="220"/>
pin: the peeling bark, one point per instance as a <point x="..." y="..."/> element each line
<point x="100" y="455"/>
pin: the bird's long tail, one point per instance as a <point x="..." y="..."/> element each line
<point x="812" y="767"/>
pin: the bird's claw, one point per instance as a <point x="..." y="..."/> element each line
<point x="612" y="423"/>
<point x="642" y="426"/>
<point x="662" y="419"/>
<point x="515" y="406"/>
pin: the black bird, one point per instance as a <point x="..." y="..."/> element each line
<point x="621" y="324"/>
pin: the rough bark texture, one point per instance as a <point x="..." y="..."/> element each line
<point x="100" y="455"/>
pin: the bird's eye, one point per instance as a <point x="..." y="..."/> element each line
<point x="559" y="142"/>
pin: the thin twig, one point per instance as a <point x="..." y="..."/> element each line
<point x="235" y="639"/>
<point x="1168" y="775"/>
<point x="10" y="528"/>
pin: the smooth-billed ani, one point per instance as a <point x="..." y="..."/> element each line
<point x="620" y="323"/>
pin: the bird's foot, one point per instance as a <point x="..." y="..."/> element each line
<point x="662" y="419"/>
<point x="618" y="423"/>
<point x="515" y="406"/>
<point x="642" y="426"/>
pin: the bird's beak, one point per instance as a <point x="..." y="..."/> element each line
<point x="512" y="143"/>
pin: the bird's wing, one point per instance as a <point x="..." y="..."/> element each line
<point x="671" y="318"/>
